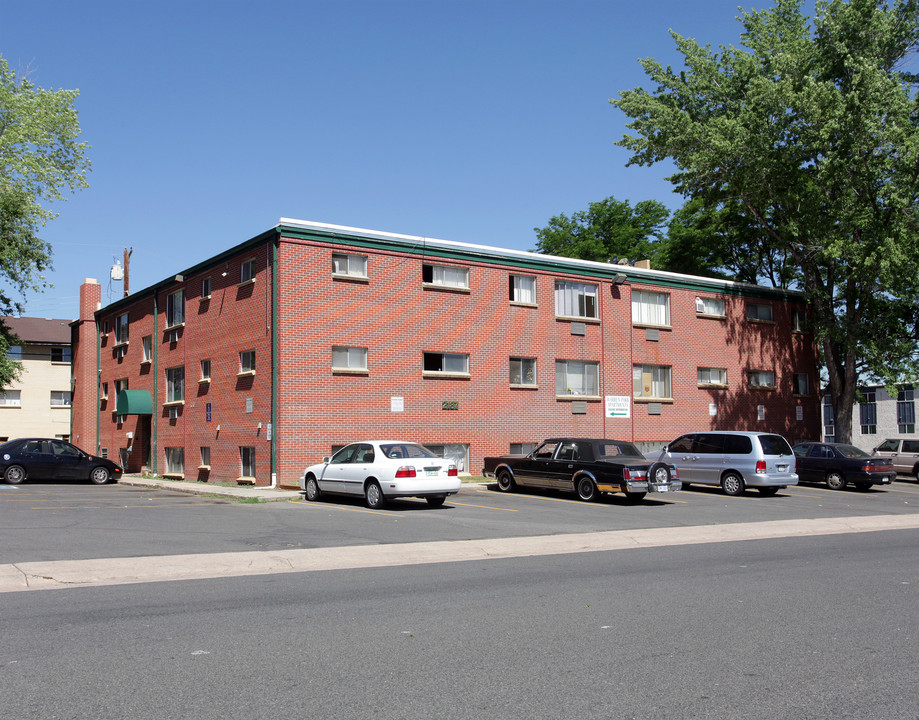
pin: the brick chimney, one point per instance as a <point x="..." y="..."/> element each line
<point x="84" y="343"/>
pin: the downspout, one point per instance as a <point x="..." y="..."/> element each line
<point x="98" y="381"/>
<point x="273" y="264"/>
<point x="154" y="455"/>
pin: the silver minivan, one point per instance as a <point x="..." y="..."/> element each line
<point x="733" y="460"/>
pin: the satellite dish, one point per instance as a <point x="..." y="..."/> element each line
<point x="117" y="271"/>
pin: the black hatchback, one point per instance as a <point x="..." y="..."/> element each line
<point x="838" y="464"/>
<point x="52" y="459"/>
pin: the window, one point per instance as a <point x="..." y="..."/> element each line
<point x="247" y="271"/>
<point x="801" y="384"/>
<point x="522" y="448"/>
<point x="761" y="379"/>
<point x="651" y="381"/>
<point x="575" y="377"/>
<point x="829" y="419"/>
<point x="523" y="371"/>
<point x="453" y="363"/>
<point x="104" y="391"/>
<point x="349" y="358"/>
<point x="205" y="457"/>
<point x="349" y="265"/>
<point x="799" y="321"/>
<point x="650" y="308"/>
<point x="247" y="362"/>
<point x="522" y="289"/>
<point x="175" y="460"/>
<point x="60" y="398"/>
<point x="11" y="398"/>
<point x="15" y="352"/>
<point x="574" y="299"/>
<point x="712" y="376"/>
<point x="868" y="413"/>
<point x="761" y="313"/>
<point x="205" y="370"/>
<point x="445" y="276"/>
<point x="175" y="384"/>
<point x="121" y="329"/>
<point x="206" y="288"/>
<point x="147" y="342"/>
<point x="175" y="309"/>
<point x="456" y="453"/>
<point x="710" y="306"/>
<point x="61" y="354"/>
<point x="119" y="386"/>
<point x="247" y="461"/>
<point x="906" y="411"/>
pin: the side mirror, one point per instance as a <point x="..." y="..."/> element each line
<point x="326" y="460"/>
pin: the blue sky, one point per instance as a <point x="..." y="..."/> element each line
<point x="465" y="120"/>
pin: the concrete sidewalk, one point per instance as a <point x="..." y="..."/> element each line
<point x="240" y="492"/>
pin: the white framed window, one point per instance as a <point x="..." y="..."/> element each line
<point x="121" y="329"/>
<point x="457" y="453"/>
<point x="349" y="265"/>
<point x="175" y="309"/>
<point x="119" y="386"/>
<point x="712" y="376"/>
<point x="205" y="370"/>
<point x="175" y="460"/>
<point x="205" y="456"/>
<point x="650" y="308"/>
<point x="522" y="289"/>
<point x="175" y="384"/>
<point x="11" y="398"/>
<point x="761" y="378"/>
<point x="247" y="271"/>
<point x="651" y="381"/>
<point x="577" y="377"/>
<point x="761" y="313"/>
<point x="205" y="288"/>
<point x="574" y="299"/>
<point x="247" y="461"/>
<point x="104" y="391"/>
<point x="868" y="413"/>
<point x="522" y="448"/>
<point x="349" y="358"/>
<point x="61" y="355"/>
<point x="523" y="371"/>
<point x="799" y="321"/>
<point x="801" y="384"/>
<point x="147" y="342"/>
<point x="710" y="306"/>
<point x="14" y="352"/>
<point x="447" y="363"/>
<point x="60" y="398"/>
<point x="906" y="410"/>
<point x="247" y="361"/>
<point x="445" y="276"/>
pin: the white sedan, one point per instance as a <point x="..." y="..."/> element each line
<point x="381" y="470"/>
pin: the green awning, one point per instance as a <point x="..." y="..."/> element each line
<point x="134" y="402"/>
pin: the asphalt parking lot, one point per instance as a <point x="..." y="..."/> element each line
<point x="47" y="521"/>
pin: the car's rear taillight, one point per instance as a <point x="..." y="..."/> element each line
<point x="760" y="467"/>
<point x="451" y="471"/>
<point x="634" y="474"/>
<point x="406" y="471"/>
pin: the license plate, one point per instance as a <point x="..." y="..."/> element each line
<point x="430" y="471"/>
<point x="781" y="468"/>
<point x="663" y="488"/>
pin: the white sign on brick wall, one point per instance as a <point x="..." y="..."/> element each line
<point x="618" y="406"/>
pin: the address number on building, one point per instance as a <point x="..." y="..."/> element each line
<point x="449" y="405"/>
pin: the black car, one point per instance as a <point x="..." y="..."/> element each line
<point x="837" y="464"/>
<point x="52" y="459"/>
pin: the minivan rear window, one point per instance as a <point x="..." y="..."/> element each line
<point x="737" y="445"/>
<point x="774" y="445"/>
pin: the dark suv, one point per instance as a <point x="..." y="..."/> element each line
<point x="903" y="453"/>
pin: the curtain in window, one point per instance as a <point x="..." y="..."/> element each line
<point x="524" y="289"/>
<point x="451" y="276"/>
<point x="577" y="378"/>
<point x="650" y="308"/>
<point x="575" y="299"/>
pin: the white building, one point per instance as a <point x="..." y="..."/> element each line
<point x="878" y="417"/>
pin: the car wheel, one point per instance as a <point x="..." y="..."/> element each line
<point x="312" y="491"/>
<point x="14" y="474"/>
<point x="768" y="491"/>
<point x="374" y="495"/>
<point x="635" y="496"/>
<point x="732" y="484"/>
<point x="587" y="491"/>
<point x="835" y="481"/>
<point x="99" y="476"/>
<point x="436" y="500"/>
<point x="506" y="482"/>
<point x="863" y="486"/>
<point x="659" y="473"/>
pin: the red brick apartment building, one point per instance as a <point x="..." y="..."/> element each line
<point x="263" y="359"/>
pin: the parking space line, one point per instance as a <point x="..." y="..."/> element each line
<point x="485" y="507"/>
<point x="343" y="508"/>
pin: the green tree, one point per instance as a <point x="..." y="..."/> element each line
<point x="40" y="159"/>
<point x="607" y="231"/>
<point x="813" y="130"/>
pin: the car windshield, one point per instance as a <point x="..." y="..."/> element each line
<point x="406" y="450"/>
<point x="850" y="451"/>
<point x="617" y="449"/>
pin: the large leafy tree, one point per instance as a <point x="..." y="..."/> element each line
<point x="40" y="159"/>
<point x="811" y="129"/>
<point x="607" y="231"/>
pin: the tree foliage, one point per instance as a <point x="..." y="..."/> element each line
<point x="811" y="132"/>
<point x="40" y="159"/>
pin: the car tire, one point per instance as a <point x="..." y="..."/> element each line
<point x="659" y="473"/>
<point x="436" y="500"/>
<point x="311" y="489"/>
<point x="587" y="491"/>
<point x="373" y="495"/>
<point x="863" y="486"/>
<point x="635" y="496"/>
<point x="99" y="476"/>
<point x="506" y="482"/>
<point x="768" y="491"/>
<point x="14" y="474"/>
<point x="835" y="481"/>
<point x="733" y="484"/>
